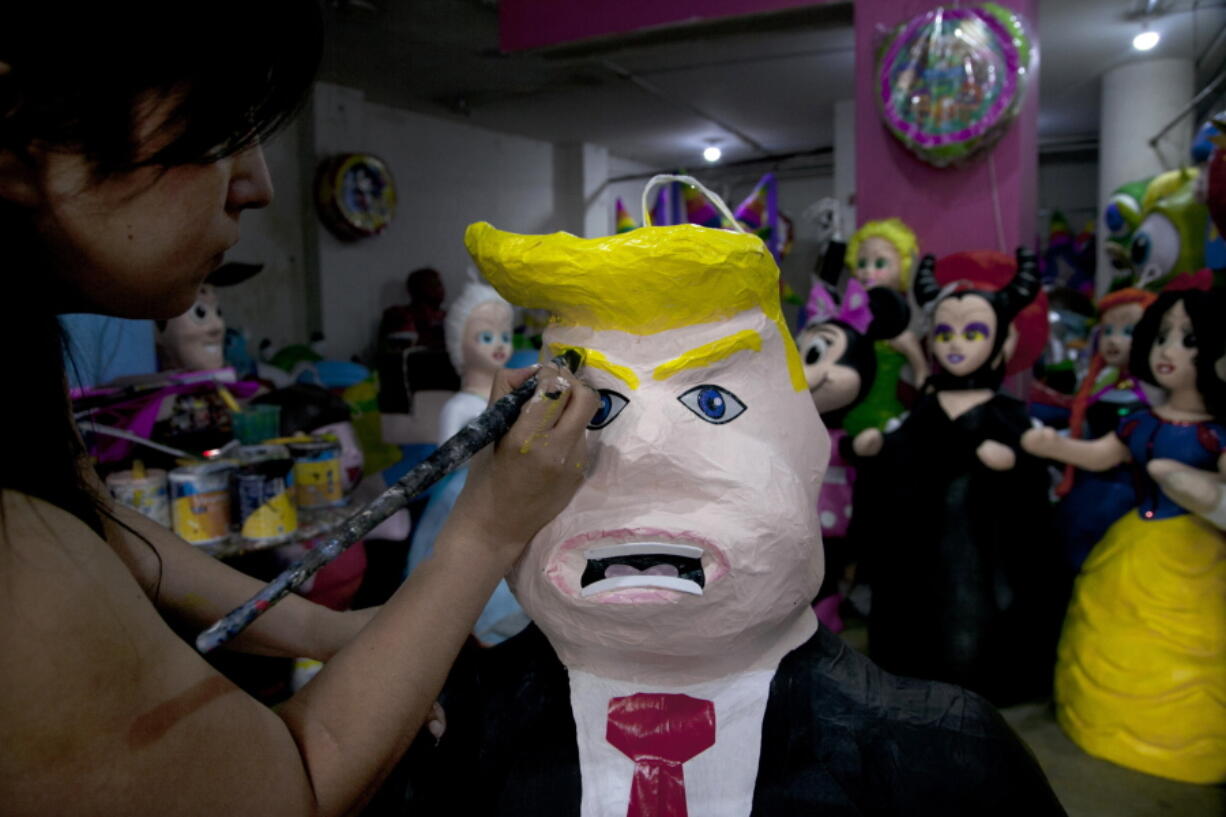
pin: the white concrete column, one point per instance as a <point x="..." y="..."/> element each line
<point x="581" y="203"/>
<point x="1138" y="99"/>
<point x="597" y="207"/>
<point x="845" y="162"/>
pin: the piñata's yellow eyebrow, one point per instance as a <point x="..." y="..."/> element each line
<point x="708" y="353"/>
<point x="596" y="360"/>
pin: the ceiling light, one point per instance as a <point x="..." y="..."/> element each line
<point x="1145" y="40"/>
<point x="712" y="154"/>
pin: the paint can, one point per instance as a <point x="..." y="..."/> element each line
<point x="318" y="478"/>
<point x="144" y="493"/>
<point x="200" y="496"/>
<point x="264" y="494"/>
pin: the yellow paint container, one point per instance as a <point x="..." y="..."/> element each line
<point x="264" y="495"/>
<point x="200" y="502"/>
<point x="318" y="478"/>
<point x="145" y="493"/>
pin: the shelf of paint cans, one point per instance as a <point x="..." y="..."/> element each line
<point x="312" y="525"/>
<point x="286" y="490"/>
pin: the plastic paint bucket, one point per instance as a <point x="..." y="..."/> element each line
<point x="263" y="492"/>
<point x="200" y="496"/>
<point x="317" y="473"/>
<point x="146" y="494"/>
<point x="256" y="423"/>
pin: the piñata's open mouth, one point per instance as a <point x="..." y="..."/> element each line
<point x="643" y="564"/>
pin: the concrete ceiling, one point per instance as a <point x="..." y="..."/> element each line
<point x="756" y="86"/>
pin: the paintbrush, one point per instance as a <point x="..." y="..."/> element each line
<point x="227" y="397"/>
<point x="485" y="429"/>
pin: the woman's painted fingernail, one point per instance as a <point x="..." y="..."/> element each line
<point x="557" y="388"/>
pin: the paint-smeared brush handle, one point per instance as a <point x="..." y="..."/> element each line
<point x="485" y="429"/>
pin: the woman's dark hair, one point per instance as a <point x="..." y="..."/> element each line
<point x="78" y="82"/>
<point x="1206" y="311"/>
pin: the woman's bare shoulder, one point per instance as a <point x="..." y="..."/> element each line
<point x="48" y="556"/>
<point x="95" y="689"/>
<point x="71" y="615"/>
<point x="27" y="519"/>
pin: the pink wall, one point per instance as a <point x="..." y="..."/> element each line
<point x="950" y="209"/>
<point x="536" y="23"/>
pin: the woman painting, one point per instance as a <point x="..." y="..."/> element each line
<point x="128" y="155"/>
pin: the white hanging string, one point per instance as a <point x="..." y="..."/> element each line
<point x="930" y="308"/>
<point x="1000" y="222"/>
<point x="665" y="178"/>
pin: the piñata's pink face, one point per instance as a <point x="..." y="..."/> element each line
<point x="1115" y="341"/>
<point x="963" y="333"/>
<point x="696" y="529"/>
<point x="1172" y="358"/>
<point x="832" y="383"/>
<point x="878" y="264"/>
<point x="194" y="341"/>
<point x="487" y="339"/>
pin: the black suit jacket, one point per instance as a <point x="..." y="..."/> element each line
<point x="839" y="737"/>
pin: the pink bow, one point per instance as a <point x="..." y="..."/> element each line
<point x="854" y="310"/>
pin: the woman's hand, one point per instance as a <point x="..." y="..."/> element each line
<point x="519" y="484"/>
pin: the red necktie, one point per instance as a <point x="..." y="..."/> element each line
<point x="659" y="732"/>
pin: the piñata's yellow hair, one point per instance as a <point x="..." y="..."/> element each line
<point x="646" y="281"/>
<point x="894" y="231"/>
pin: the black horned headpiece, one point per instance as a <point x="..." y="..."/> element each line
<point x="1007" y="302"/>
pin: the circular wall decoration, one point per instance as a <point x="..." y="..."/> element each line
<point x="950" y="81"/>
<point x="356" y="195"/>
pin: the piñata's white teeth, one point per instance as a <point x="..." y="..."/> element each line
<point x="624" y="582"/>
<point x="644" y="549"/>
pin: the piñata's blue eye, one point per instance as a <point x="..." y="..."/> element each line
<point x="714" y="404"/>
<point x="611" y="405"/>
